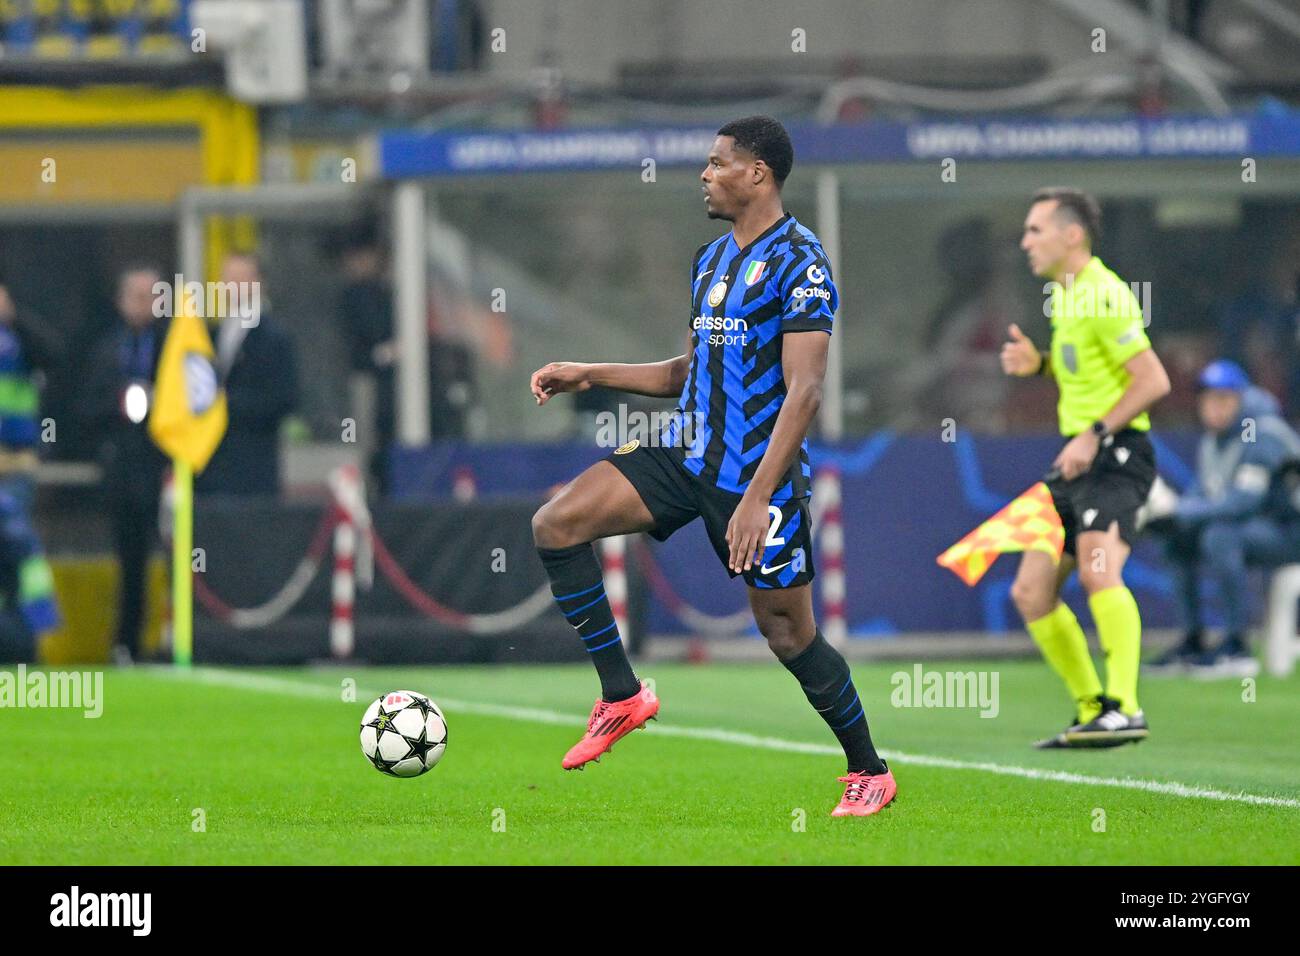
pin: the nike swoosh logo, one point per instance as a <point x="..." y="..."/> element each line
<point x="580" y="625"/>
<point x="766" y="570"/>
<point x="702" y="274"/>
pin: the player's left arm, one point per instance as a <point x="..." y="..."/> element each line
<point x="803" y="366"/>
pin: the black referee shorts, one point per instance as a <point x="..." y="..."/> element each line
<point x="675" y="498"/>
<point x="1113" y="489"/>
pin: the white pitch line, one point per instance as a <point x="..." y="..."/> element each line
<point x="278" y="685"/>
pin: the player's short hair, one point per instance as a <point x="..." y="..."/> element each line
<point x="1076" y="206"/>
<point x="765" y="139"/>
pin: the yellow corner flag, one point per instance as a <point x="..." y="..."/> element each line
<point x="187" y="422"/>
<point x="1029" y="523"/>
<point x="189" y="405"/>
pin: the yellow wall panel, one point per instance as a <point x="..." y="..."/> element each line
<point x="112" y="173"/>
<point x="87" y="593"/>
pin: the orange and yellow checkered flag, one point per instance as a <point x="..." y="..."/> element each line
<point x="1029" y="523"/>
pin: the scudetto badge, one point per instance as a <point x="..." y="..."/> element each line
<point x="629" y="447"/>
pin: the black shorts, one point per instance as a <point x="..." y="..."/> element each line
<point x="675" y="498"/>
<point x="1113" y="489"/>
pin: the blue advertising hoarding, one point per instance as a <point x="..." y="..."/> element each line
<point x="412" y="153"/>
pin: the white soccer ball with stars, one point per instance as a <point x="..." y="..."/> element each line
<point x="403" y="734"/>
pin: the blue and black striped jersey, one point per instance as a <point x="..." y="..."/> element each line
<point x="742" y="302"/>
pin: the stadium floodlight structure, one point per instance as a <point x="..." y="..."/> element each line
<point x="264" y="45"/>
<point x="375" y="37"/>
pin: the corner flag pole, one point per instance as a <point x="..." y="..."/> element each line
<point x="182" y="582"/>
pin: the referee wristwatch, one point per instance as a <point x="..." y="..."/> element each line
<point x="1101" y="431"/>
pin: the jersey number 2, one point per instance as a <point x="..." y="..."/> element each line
<point x="772" y="540"/>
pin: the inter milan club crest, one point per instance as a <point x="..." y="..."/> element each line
<point x="718" y="292"/>
<point x="755" y="271"/>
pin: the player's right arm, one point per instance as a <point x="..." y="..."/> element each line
<point x="657" y="379"/>
<point x="1021" y="357"/>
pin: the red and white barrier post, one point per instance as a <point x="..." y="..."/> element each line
<point x="613" y="562"/>
<point x="831" y="558"/>
<point x="351" y="534"/>
<point x="343" y="587"/>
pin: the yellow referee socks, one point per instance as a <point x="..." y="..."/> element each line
<point x="1119" y="629"/>
<point x="1061" y="639"/>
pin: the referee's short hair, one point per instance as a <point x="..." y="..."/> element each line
<point x="766" y="139"/>
<point x="1076" y="206"/>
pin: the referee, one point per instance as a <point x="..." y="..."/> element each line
<point x="1107" y="376"/>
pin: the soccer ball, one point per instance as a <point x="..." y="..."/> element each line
<point x="403" y="734"/>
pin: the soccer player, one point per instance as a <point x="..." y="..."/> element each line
<point x="735" y="454"/>
<point x="1108" y="376"/>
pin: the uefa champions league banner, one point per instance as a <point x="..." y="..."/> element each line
<point x="894" y="526"/>
<point x="407" y="153"/>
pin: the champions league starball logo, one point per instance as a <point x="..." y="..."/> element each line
<point x="200" y="382"/>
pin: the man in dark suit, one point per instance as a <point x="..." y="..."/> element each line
<point x="119" y="399"/>
<point x="256" y="362"/>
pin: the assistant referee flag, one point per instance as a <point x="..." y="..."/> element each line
<point x="1029" y="523"/>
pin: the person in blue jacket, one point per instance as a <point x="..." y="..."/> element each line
<point x="28" y="607"/>
<point x="1242" y="511"/>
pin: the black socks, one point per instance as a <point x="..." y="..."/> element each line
<point x="821" y="670"/>
<point x="579" y="589"/>
<point x="824" y="676"/>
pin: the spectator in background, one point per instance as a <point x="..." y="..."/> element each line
<point x="255" y="360"/>
<point x="456" y="35"/>
<point x="27" y="602"/>
<point x="956" y="366"/>
<point x="1257" y="325"/>
<point x="119" y="398"/>
<point x="1240" y="512"/>
<point x="368" y="322"/>
<point x="367" y="312"/>
<point x="1188" y="18"/>
<point x="28" y="348"/>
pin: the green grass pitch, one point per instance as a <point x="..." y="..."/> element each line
<point x="269" y="762"/>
